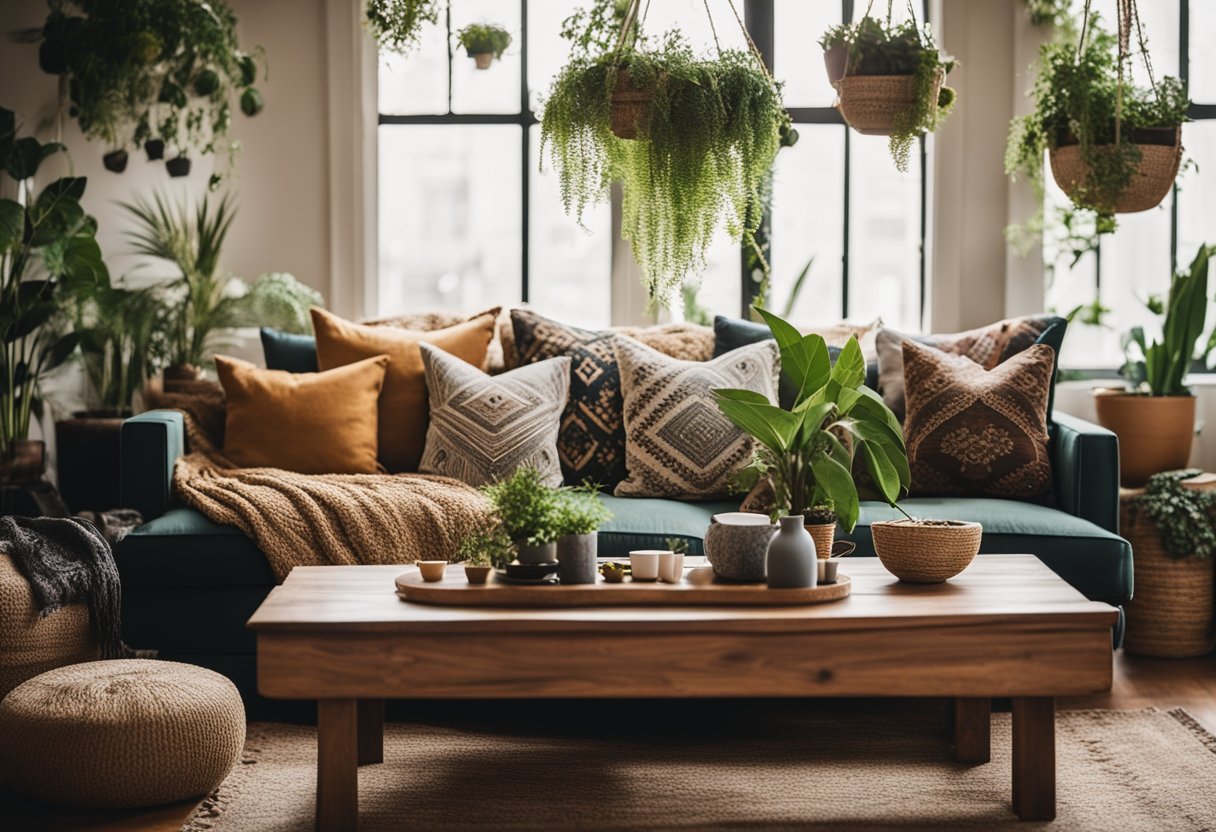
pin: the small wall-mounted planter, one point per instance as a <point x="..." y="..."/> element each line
<point x="115" y="161"/>
<point x="155" y="148"/>
<point x="178" y="167"/>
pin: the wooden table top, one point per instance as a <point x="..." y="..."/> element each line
<point x="994" y="588"/>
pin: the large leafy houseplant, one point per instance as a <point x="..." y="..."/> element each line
<point x="809" y="449"/>
<point x="1155" y="420"/>
<point x="48" y="251"/>
<point x="205" y="300"/>
<point x="158" y="72"/>
<point x="705" y="133"/>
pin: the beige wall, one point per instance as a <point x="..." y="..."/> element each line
<point x="282" y="173"/>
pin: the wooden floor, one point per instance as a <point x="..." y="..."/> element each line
<point x="1139" y="683"/>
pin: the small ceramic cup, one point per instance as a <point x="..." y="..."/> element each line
<point x="827" y="570"/>
<point x="432" y="570"/>
<point x="671" y="567"/>
<point x="644" y="564"/>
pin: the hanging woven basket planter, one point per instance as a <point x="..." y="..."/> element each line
<point x="1151" y="178"/>
<point x="873" y="104"/>
<point x="630" y="107"/>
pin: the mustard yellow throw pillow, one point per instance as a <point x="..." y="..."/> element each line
<point x="404" y="413"/>
<point x="310" y="423"/>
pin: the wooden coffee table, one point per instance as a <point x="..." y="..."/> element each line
<point x="1006" y="627"/>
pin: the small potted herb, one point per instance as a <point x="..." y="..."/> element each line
<point x="488" y="547"/>
<point x="484" y="42"/>
<point x="579" y="515"/>
<point x="528" y="510"/>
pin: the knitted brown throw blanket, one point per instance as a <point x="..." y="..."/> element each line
<point x="327" y="519"/>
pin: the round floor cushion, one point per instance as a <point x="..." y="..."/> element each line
<point x="120" y="734"/>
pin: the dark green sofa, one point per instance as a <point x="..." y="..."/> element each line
<point x="189" y="585"/>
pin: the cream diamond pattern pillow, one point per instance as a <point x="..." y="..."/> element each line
<point x="484" y="427"/>
<point x="677" y="443"/>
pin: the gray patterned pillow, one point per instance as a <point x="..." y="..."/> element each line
<point x="484" y="427"/>
<point x="677" y="443"/>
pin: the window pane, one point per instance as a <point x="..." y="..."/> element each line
<point x="884" y="236"/>
<point x="690" y="18"/>
<point x="569" y="266"/>
<point x="808" y="194"/>
<point x="450" y="229"/>
<point x="1202" y="25"/>
<point x="417" y="83"/>
<point x="799" y="60"/>
<point x="493" y="90"/>
<point x="547" y="51"/>
<point x="1159" y="23"/>
<point x="1197" y="190"/>
<point x="1135" y="264"/>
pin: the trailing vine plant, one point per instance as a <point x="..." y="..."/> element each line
<point x="705" y="141"/>
<point x="1185" y="517"/>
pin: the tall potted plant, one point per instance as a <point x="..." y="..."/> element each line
<point x="48" y="250"/>
<point x="808" y="450"/>
<point x="691" y="140"/>
<point x="1155" y="419"/>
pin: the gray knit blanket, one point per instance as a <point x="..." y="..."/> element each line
<point x="67" y="561"/>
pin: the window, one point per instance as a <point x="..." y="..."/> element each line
<point x="1138" y="259"/>
<point x="468" y="219"/>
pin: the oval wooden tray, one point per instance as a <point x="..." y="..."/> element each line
<point x="455" y="590"/>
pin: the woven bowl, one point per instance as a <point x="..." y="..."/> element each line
<point x="924" y="554"/>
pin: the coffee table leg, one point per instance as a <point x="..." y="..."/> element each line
<point x="337" y="765"/>
<point x="1034" y="757"/>
<point x="371" y="731"/>
<point x="972" y="730"/>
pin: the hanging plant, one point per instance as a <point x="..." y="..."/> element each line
<point x="484" y="42"/>
<point x="147" y="71"/>
<point x="396" y="24"/>
<point x="890" y="79"/>
<point x="1114" y="147"/>
<point x="691" y="140"/>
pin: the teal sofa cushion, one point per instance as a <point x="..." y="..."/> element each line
<point x="288" y="351"/>
<point x="645" y="523"/>
<point x="182" y="548"/>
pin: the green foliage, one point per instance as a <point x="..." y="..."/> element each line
<point x="527" y="508"/>
<point x="1076" y="95"/>
<point x="580" y="511"/>
<point x="1185" y="518"/>
<point x="487" y="545"/>
<point x="700" y="161"/>
<point x="594" y="29"/>
<point x="484" y="37"/>
<point x="395" y="24"/>
<point x="144" y="69"/>
<point x="48" y="252"/>
<point x="801" y="448"/>
<point x="1161" y="366"/>
<point x="203" y="301"/>
<point x="1047" y="12"/>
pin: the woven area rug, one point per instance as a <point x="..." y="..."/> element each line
<point x="743" y="766"/>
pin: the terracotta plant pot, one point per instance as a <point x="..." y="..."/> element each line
<point x="835" y="60"/>
<point x="928" y="552"/>
<point x="1151" y="181"/>
<point x="477" y="574"/>
<point x="630" y="107"/>
<point x="24" y="463"/>
<point x="824" y="534"/>
<point x="482" y="60"/>
<point x="1155" y="432"/>
<point x="88" y="459"/>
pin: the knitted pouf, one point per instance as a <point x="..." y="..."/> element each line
<point x="120" y="734"/>
<point x="31" y="643"/>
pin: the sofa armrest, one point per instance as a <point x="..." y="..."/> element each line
<point x="1087" y="471"/>
<point x="150" y="445"/>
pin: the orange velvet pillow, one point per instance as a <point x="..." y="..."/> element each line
<point x="311" y="423"/>
<point x="404" y="413"/>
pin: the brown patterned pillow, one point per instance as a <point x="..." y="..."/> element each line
<point x="976" y="432"/>
<point x="987" y="346"/>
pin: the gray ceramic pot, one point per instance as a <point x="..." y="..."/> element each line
<point x="735" y="545"/>
<point x="791" y="561"/>
<point x="536" y="553"/>
<point x="576" y="558"/>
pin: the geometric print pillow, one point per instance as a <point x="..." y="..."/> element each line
<point x="484" y="427"/>
<point x="591" y="443"/>
<point x="975" y="432"/>
<point x="677" y="442"/>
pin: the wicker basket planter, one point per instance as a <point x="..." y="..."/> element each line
<point x="926" y="552"/>
<point x="1173" y="613"/>
<point x="872" y="104"/>
<point x="630" y="107"/>
<point x="1160" y="155"/>
<point x="824" y="534"/>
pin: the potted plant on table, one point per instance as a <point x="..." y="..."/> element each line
<point x="1114" y="147"/>
<point x="48" y="252"/>
<point x="528" y="510"/>
<point x="891" y="80"/>
<point x="579" y="516"/>
<point x="487" y="547"/>
<point x="484" y="42"/>
<point x="1155" y="419"/>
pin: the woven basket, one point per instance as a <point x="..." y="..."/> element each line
<point x="1150" y="182"/>
<point x="871" y="104"/>
<point x="823" y="534"/>
<point x="630" y="107"/>
<point x="926" y="554"/>
<point x="1172" y="612"/>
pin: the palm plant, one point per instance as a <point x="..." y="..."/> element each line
<point x="207" y="301"/>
